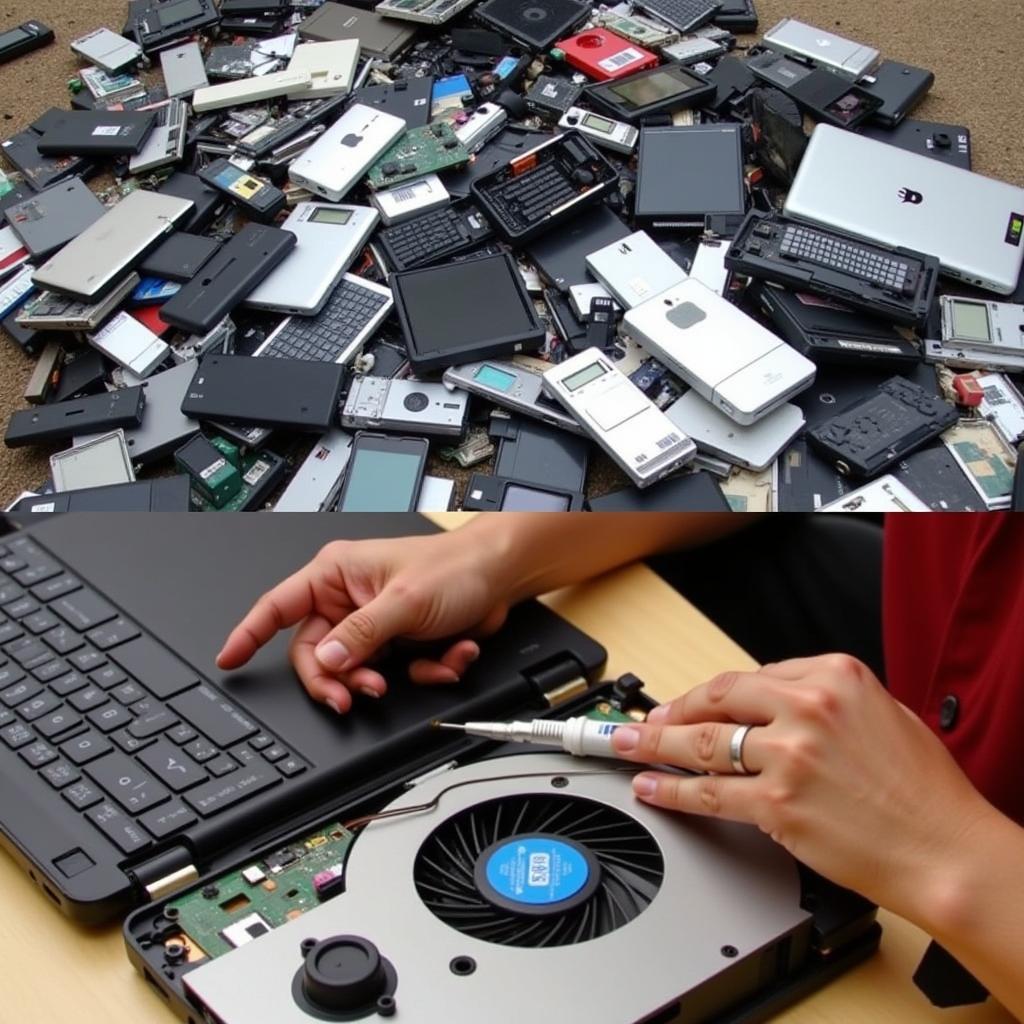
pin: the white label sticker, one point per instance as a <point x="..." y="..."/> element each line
<point x="621" y="59"/>
<point x="256" y="472"/>
<point x="46" y="506"/>
<point x="640" y="287"/>
<point x="106" y="129"/>
<point x="213" y="467"/>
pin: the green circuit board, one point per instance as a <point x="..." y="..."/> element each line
<point x="418" y="152"/>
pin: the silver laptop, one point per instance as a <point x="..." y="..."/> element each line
<point x="972" y="224"/>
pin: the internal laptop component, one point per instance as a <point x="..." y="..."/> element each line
<point x="420" y="151"/>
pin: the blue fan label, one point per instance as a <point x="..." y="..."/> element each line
<point x="537" y="871"/>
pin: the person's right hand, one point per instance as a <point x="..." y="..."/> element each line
<point x="356" y="596"/>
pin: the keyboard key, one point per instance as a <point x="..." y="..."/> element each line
<point x="60" y="774"/>
<point x="87" y="659"/>
<point x="128" y="693"/>
<point x="20" y="692"/>
<point x="51" y="670"/>
<point x="16" y="735"/>
<point x="108" y="676"/>
<point x="10" y="592"/>
<point x="56" y="586"/>
<point x="275" y="753"/>
<point x="40" y="622"/>
<point x="290" y="767"/>
<point x="154" y="667"/>
<point x="129" y="743"/>
<point x="37" y="754"/>
<point x="86" y="747"/>
<point x="11" y="563"/>
<point x="214" y="716"/>
<point x="6" y="717"/>
<point x="261" y="741"/>
<point x="9" y="631"/>
<point x="84" y="609"/>
<point x="167" y="819"/>
<point x="128" y="782"/>
<point x="172" y="766"/>
<point x="68" y="684"/>
<point x="220" y="765"/>
<point x="201" y="750"/>
<point x="181" y="733"/>
<point x="113" y="633"/>
<point x="243" y="754"/>
<point x="22" y="608"/>
<point x="90" y="697"/>
<point x="9" y="675"/>
<point x="111" y="717"/>
<point x="39" y="706"/>
<point x="58" y="722"/>
<point x="219" y="794"/>
<point x="29" y="652"/>
<point x="63" y="639"/>
<point x="36" y="572"/>
<point x="151" y="724"/>
<point x="123" y="832"/>
<point x="82" y="794"/>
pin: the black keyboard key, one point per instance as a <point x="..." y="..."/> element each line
<point x="243" y="754"/>
<point x="29" y="652"/>
<point x="60" y="774"/>
<point x="113" y="633"/>
<point x="220" y="765"/>
<point x="82" y="794"/>
<point x="111" y="717"/>
<point x="17" y="735"/>
<point x="37" y="754"/>
<point x="219" y="794"/>
<point x="58" y="722"/>
<point x="39" y="706"/>
<point x="84" y="609"/>
<point x="156" y="668"/>
<point x="275" y="753"/>
<point x="20" y="692"/>
<point x="56" y="586"/>
<point x="37" y="571"/>
<point x="86" y="747"/>
<point x="6" y="717"/>
<point x="261" y="741"/>
<point x="181" y="733"/>
<point x="162" y="821"/>
<point x="214" y="716"/>
<point x="201" y="749"/>
<point x="40" y="622"/>
<point x="10" y="592"/>
<point x="87" y="659"/>
<point x="290" y="767"/>
<point x="70" y="683"/>
<point x="129" y="743"/>
<point x="22" y="608"/>
<point x="51" y="670"/>
<point x="63" y="639"/>
<point x="108" y="676"/>
<point x="128" y="693"/>
<point x="11" y="563"/>
<point x="151" y="724"/>
<point x="172" y="766"/>
<point x="90" y="697"/>
<point x="9" y="631"/>
<point x="9" y="675"/>
<point x="123" y="832"/>
<point x="131" y="785"/>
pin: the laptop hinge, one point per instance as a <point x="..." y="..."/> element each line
<point x="558" y="680"/>
<point x="165" y="873"/>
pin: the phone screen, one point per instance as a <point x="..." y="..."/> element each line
<point x="381" y="481"/>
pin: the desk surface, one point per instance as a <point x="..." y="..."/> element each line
<point x="56" y="971"/>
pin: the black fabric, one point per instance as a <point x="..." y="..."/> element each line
<point x="790" y="586"/>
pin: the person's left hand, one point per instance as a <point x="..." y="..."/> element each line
<point x="842" y="775"/>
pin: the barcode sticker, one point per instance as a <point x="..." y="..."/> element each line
<point x="46" y="506"/>
<point x="404" y="195"/>
<point x="256" y="472"/>
<point x="214" y="467"/>
<point x="106" y="129"/>
<point x="620" y="60"/>
<point x="667" y="441"/>
<point x="995" y="396"/>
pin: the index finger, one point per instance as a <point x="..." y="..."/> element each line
<point x="280" y="607"/>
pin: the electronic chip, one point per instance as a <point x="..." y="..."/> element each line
<point x="249" y="928"/>
<point x="253" y="875"/>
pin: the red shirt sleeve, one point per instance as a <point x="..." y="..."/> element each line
<point x="953" y="621"/>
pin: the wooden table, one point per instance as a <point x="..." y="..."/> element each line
<point x="57" y="972"/>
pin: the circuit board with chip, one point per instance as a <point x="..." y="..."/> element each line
<point x="420" y="151"/>
<point x="247" y="903"/>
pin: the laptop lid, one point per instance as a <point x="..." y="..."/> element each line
<point x="186" y="581"/>
<point x="972" y="224"/>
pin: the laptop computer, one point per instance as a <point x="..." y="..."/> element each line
<point x="972" y="224"/>
<point x="130" y="763"/>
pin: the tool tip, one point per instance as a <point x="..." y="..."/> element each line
<point x="447" y="725"/>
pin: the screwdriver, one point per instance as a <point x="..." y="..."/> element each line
<point x="582" y="737"/>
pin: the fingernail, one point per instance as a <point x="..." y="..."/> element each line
<point x="369" y="691"/>
<point x="644" y="785"/>
<point x="626" y="738"/>
<point x="334" y="707"/>
<point x="451" y="676"/>
<point x="473" y="655"/>
<point x="333" y="654"/>
<point x="658" y="713"/>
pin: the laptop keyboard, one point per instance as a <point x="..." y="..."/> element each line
<point x="683" y="15"/>
<point x="132" y="738"/>
<point x="848" y="257"/>
<point x="326" y="337"/>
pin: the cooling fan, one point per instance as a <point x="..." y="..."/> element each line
<point x="519" y="883"/>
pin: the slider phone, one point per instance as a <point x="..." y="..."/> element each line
<point x="23" y="39"/>
<point x="229" y="276"/>
<point x="60" y="420"/>
<point x="384" y="474"/>
<point x="295" y="393"/>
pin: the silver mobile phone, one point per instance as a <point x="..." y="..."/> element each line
<point x="845" y="57"/>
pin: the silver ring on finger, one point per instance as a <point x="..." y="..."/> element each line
<point x="736" y="749"/>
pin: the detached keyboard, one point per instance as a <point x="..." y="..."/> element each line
<point x="434" y="236"/>
<point x="530" y="198"/>
<point x="133" y="738"/>
<point x="353" y="312"/>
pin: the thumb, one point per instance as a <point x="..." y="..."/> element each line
<point x="364" y="631"/>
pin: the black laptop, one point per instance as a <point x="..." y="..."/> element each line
<point x="130" y="764"/>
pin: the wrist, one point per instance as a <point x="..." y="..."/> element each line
<point x="504" y="551"/>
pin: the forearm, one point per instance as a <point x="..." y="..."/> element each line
<point x="535" y="552"/>
<point x="976" y="908"/>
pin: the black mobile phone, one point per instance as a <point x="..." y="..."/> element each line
<point x="259" y="199"/>
<point x="23" y="38"/>
<point x="384" y="474"/>
<point x="667" y="87"/>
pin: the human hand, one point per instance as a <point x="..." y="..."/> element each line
<point x="845" y="777"/>
<point x="356" y="596"/>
